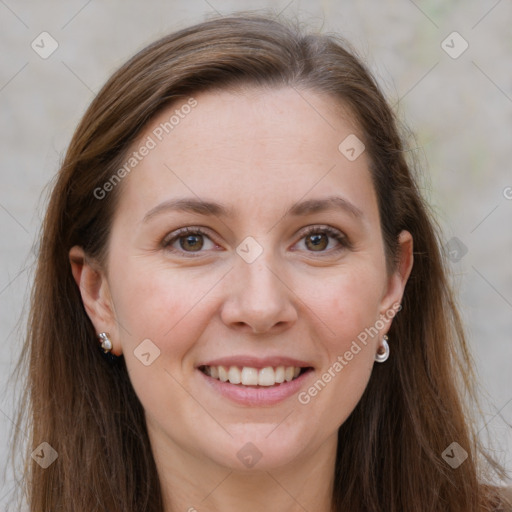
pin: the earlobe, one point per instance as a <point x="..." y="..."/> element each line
<point x="94" y="291"/>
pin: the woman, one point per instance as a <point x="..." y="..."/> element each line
<point x="240" y="301"/>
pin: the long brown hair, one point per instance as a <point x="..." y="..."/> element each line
<point x="389" y="456"/>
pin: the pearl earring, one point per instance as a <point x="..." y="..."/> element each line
<point x="106" y="344"/>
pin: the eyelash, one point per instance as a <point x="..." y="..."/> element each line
<point x="343" y="241"/>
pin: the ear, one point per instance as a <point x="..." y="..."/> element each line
<point x="398" y="279"/>
<point x="95" y="292"/>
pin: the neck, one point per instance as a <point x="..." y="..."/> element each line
<point x="193" y="484"/>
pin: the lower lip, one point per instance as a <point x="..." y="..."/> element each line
<point x="257" y="396"/>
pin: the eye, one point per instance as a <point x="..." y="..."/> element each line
<point x="188" y="240"/>
<point x="320" y="239"/>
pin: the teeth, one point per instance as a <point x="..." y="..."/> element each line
<point x="234" y="375"/>
<point x="266" y="376"/>
<point x="223" y="374"/>
<point x="249" y="376"/>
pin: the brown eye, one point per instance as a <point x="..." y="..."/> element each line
<point x="317" y="241"/>
<point x="324" y="240"/>
<point x="191" y="242"/>
<point x="188" y="241"/>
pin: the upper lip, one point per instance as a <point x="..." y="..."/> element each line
<point x="256" y="362"/>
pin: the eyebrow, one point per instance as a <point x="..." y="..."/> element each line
<point x="202" y="207"/>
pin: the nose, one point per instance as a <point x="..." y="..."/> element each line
<point x="258" y="299"/>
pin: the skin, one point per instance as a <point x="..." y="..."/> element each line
<point x="258" y="152"/>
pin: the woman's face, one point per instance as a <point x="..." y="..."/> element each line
<point x="281" y="266"/>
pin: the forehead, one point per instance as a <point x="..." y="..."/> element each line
<point x="251" y="148"/>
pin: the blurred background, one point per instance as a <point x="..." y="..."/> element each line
<point x="446" y="66"/>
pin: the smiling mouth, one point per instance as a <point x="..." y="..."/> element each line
<point x="254" y="377"/>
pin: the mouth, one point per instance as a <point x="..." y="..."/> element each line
<point x="250" y="377"/>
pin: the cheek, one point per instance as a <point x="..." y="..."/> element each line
<point x="348" y="308"/>
<point x="349" y="304"/>
<point x="158" y="303"/>
<point x="169" y="308"/>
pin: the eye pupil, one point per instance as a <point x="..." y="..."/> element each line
<point x="318" y="241"/>
<point x="192" y="242"/>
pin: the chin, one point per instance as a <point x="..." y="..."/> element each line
<point x="258" y="447"/>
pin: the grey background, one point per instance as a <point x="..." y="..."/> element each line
<point x="459" y="108"/>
